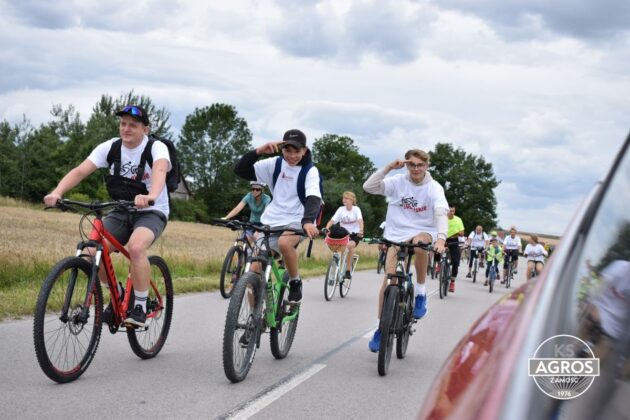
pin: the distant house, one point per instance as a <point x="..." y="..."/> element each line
<point x="182" y="192"/>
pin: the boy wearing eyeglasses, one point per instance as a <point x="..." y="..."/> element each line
<point x="286" y="209"/>
<point x="416" y="212"/>
<point x="140" y="229"/>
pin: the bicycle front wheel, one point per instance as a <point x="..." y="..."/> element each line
<point x="65" y="333"/>
<point x="402" y="337"/>
<point x="242" y="327"/>
<point x="493" y="276"/>
<point x="388" y="329"/>
<point x="474" y="274"/>
<point x="287" y="315"/>
<point x="148" y="341"/>
<point x="330" y="281"/>
<point x="444" y="274"/>
<point x="232" y="270"/>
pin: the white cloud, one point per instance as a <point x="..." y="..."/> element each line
<point x="546" y="105"/>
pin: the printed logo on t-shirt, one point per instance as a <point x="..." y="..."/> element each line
<point x="410" y="203"/>
<point x="129" y="168"/>
<point x="285" y="176"/>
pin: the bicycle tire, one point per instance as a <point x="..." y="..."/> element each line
<point x="345" y="284"/>
<point x="387" y="327"/>
<point x="147" y="342"/>
<point x="281" y="337"/>
<point x="475" y="268"/>
<point x="71" y="339"/>
<point x="330" y="281"/>
<point x="402" y="337"/>
<point x="492" y="278"/>
<point x="430" y="271"/>
<point x="232" y="270"/>
<point x="443" y="286"/>
<point x="508" y="279"/>
<point x="242" y="320"/>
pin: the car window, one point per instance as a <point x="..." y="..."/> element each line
<point x="596" y="305"/>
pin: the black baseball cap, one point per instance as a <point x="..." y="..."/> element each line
<point x="295" y="137"/>
<point x="136" y="112"/>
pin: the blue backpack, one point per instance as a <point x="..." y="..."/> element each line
<point x="301" y="185"/>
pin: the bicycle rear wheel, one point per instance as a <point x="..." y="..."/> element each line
<point x="232" y="270"/>
<point x="388" y="328"/>
<point x="282" y="335"/>
<point x="242" y="327"/>
<point x="402" y="337"/>
<point x="64" y="343"/>
<point x="330" y="281"/>
<point x="148" y="341"/>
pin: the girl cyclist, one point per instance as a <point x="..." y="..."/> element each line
<point x="350" y="218"/>
<point x="512" y="247"/>
<point x="256" y="200"/>
<point x="535" y="254"/>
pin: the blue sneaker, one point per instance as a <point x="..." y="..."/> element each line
<point x="375" y="342"/>
<point x="420" y="309"/>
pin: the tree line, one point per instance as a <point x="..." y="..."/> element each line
<point x="211" y="140"/>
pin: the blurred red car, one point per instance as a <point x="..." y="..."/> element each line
<point x="584" y="292"/>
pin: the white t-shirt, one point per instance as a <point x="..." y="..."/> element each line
<point x="285" y="208"/>
<point x="129" y="161"/>
<point x="411" y="208"/>
<point x="478" y="240"/>
<point x="348" y="219"/>
<point x="512" y="243"/>
<point x="613" y="302"/>
<point x="535" y="252"/>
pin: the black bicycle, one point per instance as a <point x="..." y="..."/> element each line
<point x="234" y="263"/>
<point x="380" y="264"/>
<point x="445" y="272"/>
<point x="492" y="275"/>
<point x="475" y="263"/>
<point x="510" y="270"/>
<point x="398" y="303"/>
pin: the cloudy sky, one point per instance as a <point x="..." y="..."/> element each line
<point x="539" y="88"/>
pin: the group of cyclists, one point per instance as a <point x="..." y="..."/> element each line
<point x="417" y="209"/>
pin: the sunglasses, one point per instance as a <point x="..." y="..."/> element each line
<point x="256" y="189"/>
<point x="133" y="110"/>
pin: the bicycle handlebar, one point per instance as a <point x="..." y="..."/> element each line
<point x="267" y="230"/>
<point x="428" y="247"/>
<point x="65" y="204"/>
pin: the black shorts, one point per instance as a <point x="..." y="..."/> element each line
<point x="513" y="253"/>
<point x="121" y="224"/>
<point x="356" y="238"/>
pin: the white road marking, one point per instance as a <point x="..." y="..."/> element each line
<point x="262" y="401"/>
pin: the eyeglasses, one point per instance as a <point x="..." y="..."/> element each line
<point x="416" y="166"/>
<point x="256" y="189"/>
<point x="133" y="110"/>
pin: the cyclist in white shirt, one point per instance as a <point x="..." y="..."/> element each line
<point x="477" y="241"/>
<point x="286" y="209"/>
<point x="511" y="246"/>
<point x="350" y="218"/>
<point x="416" y="212"/>
<point x="535" y="254"/>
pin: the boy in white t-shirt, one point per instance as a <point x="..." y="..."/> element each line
<point x="138" y="230"/>
<point x="416" y="212"/>
<point x="286" y="209"/>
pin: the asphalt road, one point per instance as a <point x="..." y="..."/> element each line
<point x="329" y="372"/>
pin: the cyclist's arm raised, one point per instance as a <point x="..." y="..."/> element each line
<point x="374" y="184"/>
<point x="69" y="181"/>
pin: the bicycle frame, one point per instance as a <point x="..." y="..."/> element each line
<point x="98" y="239"/>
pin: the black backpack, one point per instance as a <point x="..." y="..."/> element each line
<point x="172" y="176"/>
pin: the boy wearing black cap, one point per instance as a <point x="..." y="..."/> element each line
<point x="139" y="229"/>
<point x="286" y="208"/>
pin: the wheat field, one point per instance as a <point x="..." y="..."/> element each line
<point x="33" y="240"/>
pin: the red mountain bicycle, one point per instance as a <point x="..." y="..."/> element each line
<point x="68" y="314"/>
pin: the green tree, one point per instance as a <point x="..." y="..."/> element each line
<point x="10" y="159"/>
<point x="211" y="140"/>
<point x="345" y="169"/>
<point x="469" y="184"/>
<point x="39" y="172"/>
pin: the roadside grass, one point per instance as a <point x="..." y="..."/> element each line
<point x="32" y="241"/>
